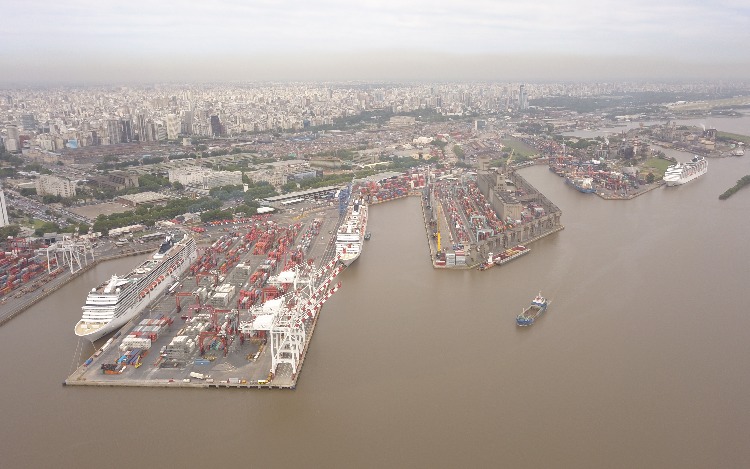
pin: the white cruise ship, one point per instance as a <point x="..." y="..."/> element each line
<point x="681" y="173"/>
<point x="351" y="234"/>
<point x="117" y="300"/>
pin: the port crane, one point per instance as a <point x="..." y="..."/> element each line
<point x="309" y="290"/>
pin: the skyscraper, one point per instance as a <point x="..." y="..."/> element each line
<point x="187" y="122"/>
<point x="217" y="129"/>
<point x="126" y="130"/>
<point x="173" y="126"/>
<point x="13" y="142"/>
<point x="523" y="100"/>
<point x="113" y="131"/>
<point x="28" y="122"/>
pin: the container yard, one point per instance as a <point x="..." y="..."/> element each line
<point x="242" y="316"/>
<point x="479" y="220"/>
<point x="22" y="269"/>
<point x="598" y="177"/>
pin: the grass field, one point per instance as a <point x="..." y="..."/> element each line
<point x="521" y="149"/>
<point x="740" y="138"/>
<point x="658" y="165"/>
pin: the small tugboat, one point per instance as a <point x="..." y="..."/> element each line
<point x="538" y="306"/>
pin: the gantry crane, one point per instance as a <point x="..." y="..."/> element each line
<point x="309" y="291"/>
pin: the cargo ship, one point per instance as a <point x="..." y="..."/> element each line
<point x="682" y="173"/>
<point x="584" y="185"/>
<point x="119" y="299"/>
<point x="351" y="234"/>
<point x="530" y="314"/>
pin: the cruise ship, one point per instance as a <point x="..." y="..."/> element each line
<point x="681" y="173"/>
<point x="351" y="233"/>
<point x="117" y="300"/>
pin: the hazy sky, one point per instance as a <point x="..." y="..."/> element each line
<point x="383" y="39"/>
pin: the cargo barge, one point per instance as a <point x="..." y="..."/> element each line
<point x="531" y="313"/>
<point x="510" y="254"/>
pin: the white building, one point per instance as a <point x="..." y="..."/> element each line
<point x="52" y="185"/>
<point x="275" y="178"/>
<point x="12" y="142"/>
<point x="173" y="126"/>
<point x="3" y="210"/>
<point x="205" y="178"/>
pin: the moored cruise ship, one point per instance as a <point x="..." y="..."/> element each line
<point x="681" y="173"/>
<point x="117" y="300"/>
<point x="351" y="234"/>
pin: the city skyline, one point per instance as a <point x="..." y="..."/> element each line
<point x="81" y="41"/>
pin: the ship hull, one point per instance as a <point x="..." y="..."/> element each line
<point x="129" y="314"/>
<point x="348" y="249"/>
<point x="685" y="180"/>
<point x="347" y="261"/>
<point x="95" y="333"/>
<point x="701" y="168"/>
<point x="583" y="190"/>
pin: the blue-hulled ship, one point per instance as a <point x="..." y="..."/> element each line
<point x="528" y="316"/>
<point x="585" y="185"/>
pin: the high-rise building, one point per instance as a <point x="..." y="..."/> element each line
<point x="126" y="130"/>
<point x="523" y="100"/>
<point x="161" y="131"/>
<point x="217" y="130"/>
<point x="4" y="221"/>
<point x="53" y="185"/>
<point x="187" y="122"/>
<point x="173" y="126"/>
<point x="13" y="142"/>
<point x="113" y="131"/>
<point x="140" y="127"/>
<point x="28" y="122"/>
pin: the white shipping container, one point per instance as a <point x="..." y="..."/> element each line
<point x="130" y="343"/>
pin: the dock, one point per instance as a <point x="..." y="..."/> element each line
<point x="241" y="263"/>
<point x="244" y="313"/>
<point x="483" y="216"/>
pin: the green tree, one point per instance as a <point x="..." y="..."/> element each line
<point x="290" y="186"/>
<point x="459" y="152"/>
<point x="9" y="230"/>
<point x="47" y="227"/>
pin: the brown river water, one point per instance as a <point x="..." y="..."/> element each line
<point x="640" y="361"/>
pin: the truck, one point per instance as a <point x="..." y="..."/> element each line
<point x="195" y="375"/>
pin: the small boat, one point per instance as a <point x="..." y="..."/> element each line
<point x="367" y="235"/>
<point x="530" y="314"/>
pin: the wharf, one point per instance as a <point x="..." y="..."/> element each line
<point x="502" y="197"/>
<point x="632" y="195"/>
<point x="247" y="362"/>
